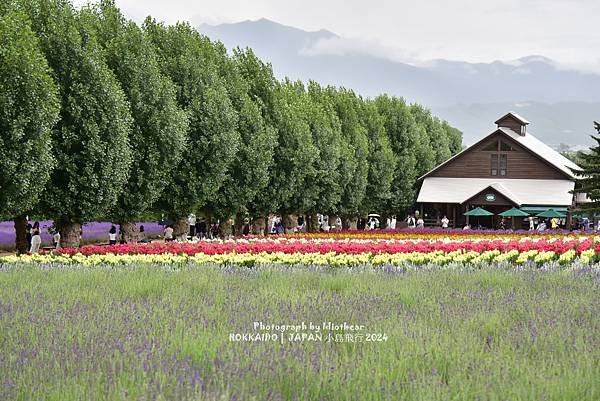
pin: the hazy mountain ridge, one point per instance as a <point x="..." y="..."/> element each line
<point x="560" y="103"/>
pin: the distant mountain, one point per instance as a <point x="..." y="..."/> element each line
<point x="560" y="103"/>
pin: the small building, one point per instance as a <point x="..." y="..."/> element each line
<point x="508" y="168"/>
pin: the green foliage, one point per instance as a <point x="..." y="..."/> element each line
<point x="381" y="160"/>
<point x="248" y="175"/>
<point x="213" y="138"/>
<point x="295" y="153"/>
<point x="354" y="163"/>
<point x="28" y="110"/>
<point x="403" y="134"/>
<point x="90" y="140"/>
<point x="159" y="125"/>
<point x="323" y="190"/>
<point x="588" y="181"/>
<point x="159" y="118"/>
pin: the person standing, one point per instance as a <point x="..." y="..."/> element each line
<point x="202" y="228"/>
<point x="410" y="220"/>
<point x="36" y="238"/>
<point x="420" y="223"/>
<point x="531" y="224"/>
<point x="338" y="223"/>
<point x="192" y="223"/>
<point x="142" y="237"/>
<point x="28" y="235"/>
<point x="56" y="239"/>
<point x="445" y="222"/>
<point x="112" y="235"/>
<point x="393" y="223"/>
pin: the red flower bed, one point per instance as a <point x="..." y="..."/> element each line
<point x="338" y="246"/>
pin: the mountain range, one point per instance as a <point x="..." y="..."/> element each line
<point x="560" y="103"/>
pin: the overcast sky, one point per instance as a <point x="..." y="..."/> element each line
<point x="469" y="30"/>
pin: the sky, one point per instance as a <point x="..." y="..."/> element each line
<point x="418" y="30"/>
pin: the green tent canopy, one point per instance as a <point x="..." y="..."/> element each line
<point x="478" y="211"/>
<point x="550" y="213"/>
<point x="533" y="210"/>
<point x="514" y="212"/>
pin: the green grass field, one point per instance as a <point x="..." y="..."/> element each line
<point x="149" y="333"/>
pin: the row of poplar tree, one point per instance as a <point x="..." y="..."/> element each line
<point x="102" y="118"/>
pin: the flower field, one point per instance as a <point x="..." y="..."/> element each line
<point x="343" y="249"/>
<point x="149" y="332"/>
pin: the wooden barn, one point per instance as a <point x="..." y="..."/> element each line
<point x="508" y="168"/>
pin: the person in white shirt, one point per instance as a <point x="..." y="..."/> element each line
<point x="36" y="238"/>
<point x="338" y="223"/>
<point x="420" y="223"/>
<point x="445" y="222"/>
<point x="531" y="224"/>
<point x="393" y="223"/>
<point x="56" y="239"/>
<point x="192" y="223"/>
<point x="112" y="235"/>
<point x="411" y="221"/>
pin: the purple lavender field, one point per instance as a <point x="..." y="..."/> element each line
<point x="92" y="232"/>
<point x="190" y="333"/>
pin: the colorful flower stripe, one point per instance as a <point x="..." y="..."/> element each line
<point x="289" y="245"/>
<point x="331" y="258"/>
<point x="431" y="234"/>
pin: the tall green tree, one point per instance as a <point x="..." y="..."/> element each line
<point x="355" y="157"/>
<point x="295" y="152"/>
<point x="380" y="159"/>
<point x="28" y="109"/>
<point x="212" y="136"/>
<point x="90" y="140"/>
<point x="159" y="124"/>
<point x="248" y="175"/>
<point x="454" y="136"/>
<point x="262" y="91"/>
<point x="403" y="134"/>
<point x="436" y="134"/>
<point x="588" y="177"/>
<point x="323" y="191"/>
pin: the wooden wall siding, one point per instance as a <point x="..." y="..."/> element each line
<point x="511" y="123"/>
<point x="521" y="163"/>
<point x="479" y="199"/>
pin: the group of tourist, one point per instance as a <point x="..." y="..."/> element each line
<point x="33" y="236"/>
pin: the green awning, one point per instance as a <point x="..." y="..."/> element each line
<point x="478" y="211"/>
<point x="551" y="213"/>
<point x="514" y="212"/>
<point x="539" y="209"/>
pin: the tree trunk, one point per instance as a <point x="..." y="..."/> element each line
<point x="353" y="223"/>
<point x="312" y="225"/>
<point x="181" y="229"/>
<point x="259" y="226"/>
<point x="20" y="231"/>
<point x="289" y="223"/>
<point x="130" y="232"/>
<point x="225" y="231"/>
<point x="70" y="235"/>
<point x="239" y="224"/>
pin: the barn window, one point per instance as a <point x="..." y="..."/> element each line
<point x="506" y="147"/>
<point x="494" y="164"/>
<point x="503" y="164"/>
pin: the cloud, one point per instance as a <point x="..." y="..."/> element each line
<point x="338" y="46"/>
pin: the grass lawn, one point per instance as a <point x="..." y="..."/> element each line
<point x="149" y="333"/>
